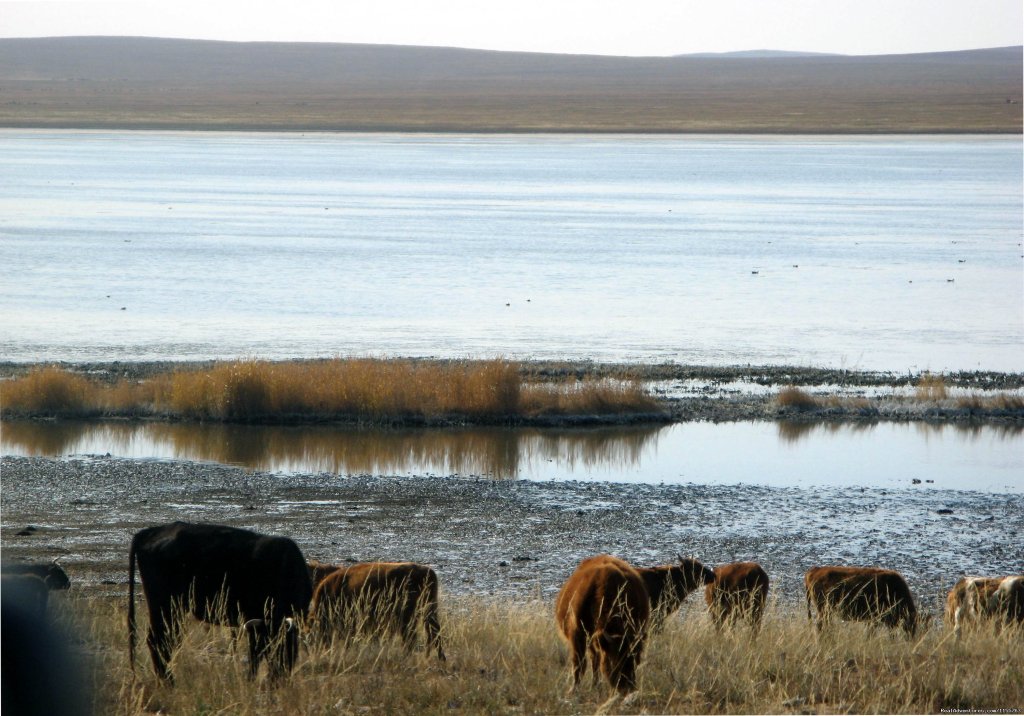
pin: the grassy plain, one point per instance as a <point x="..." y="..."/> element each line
<point x="148" y="83"/>
<point x="506" y="658"/>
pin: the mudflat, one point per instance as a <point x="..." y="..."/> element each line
<point x="148" y="83"/>
<point x="509" y="538"/>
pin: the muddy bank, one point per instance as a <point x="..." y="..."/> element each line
<point x="515" y="539"/>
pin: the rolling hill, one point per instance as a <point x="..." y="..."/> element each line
<point x="149" y="83"/>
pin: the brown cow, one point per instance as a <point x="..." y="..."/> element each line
<point x="739" y="591"/>
<point x="379" y="597"/>
<point x="668" y="585"/>
<point x="860" y="594"/>
<point x="319" y="570"/>
<point x="996" y="599"/>
<point x="603" y="610"/>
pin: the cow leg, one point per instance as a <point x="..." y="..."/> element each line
<point x="164" y="635"/>
<point x="258" y="633"/>
<point x="406" y="617"/>
<point x="432" y="627"/>
<point x="755" y="614"/>
<point x="577" y="657"/>
<point x="595" y="661"/>
<point x="283" y="641"/>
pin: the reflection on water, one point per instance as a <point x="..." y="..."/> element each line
<point x="985" y="458"/>
<point x="496" y="452"/>
<point x="793" y="431"/>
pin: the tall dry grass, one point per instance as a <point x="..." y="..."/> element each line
<point x="931" y="387"/>
<point x="793" y="397"/>
<point x="47" y="390"/>
<point x="506" y="658"/>
<point x="395" y="390"/>
<point x="586" y="396"/>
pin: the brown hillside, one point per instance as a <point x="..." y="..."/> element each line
<point x="156" y="83"/>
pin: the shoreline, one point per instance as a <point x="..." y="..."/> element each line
<point x="686" y="393"/>
<point x="515" y="130"/>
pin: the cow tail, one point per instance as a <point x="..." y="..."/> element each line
<point x="810" y="617"/>
<point x="131" y="605"/>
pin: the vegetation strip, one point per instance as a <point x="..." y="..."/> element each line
<point x="435" y="392"/>
<point x="399" y="391"/>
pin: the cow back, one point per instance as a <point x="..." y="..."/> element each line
<point x="53" y="575"/>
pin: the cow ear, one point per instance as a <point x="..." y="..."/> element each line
<point x="681" y="560"/>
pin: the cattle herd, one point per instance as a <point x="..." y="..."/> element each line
<point x="605" y="610"/>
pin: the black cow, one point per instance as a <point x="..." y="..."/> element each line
<point x="51" y="574"/>
<point x="30" y="591"/>
<point x="221" y="575"/>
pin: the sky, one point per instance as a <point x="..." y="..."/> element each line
<point x="606" y="27"/>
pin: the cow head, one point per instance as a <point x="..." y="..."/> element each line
<point x="56" y="577"/>
<point x="693" y="574"/>
<point x="280" y="647"/>
<point x="620" y="651"/>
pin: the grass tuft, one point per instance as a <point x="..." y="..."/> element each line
<point x="931" y="387"/>
<point x="793" y="397"/>
<point x="48" y="391"/>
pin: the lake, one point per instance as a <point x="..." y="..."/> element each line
<point x="892" y="253"/>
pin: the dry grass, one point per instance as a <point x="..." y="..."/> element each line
<point x="587" y="396"/>
<point x="47" y="390"/>
<point x="931" y="387"/>
<point x="793" y="397"/>
<point x="999" y="401"/>
<point x="371" y="390"/>
<point x="505" y="658"/>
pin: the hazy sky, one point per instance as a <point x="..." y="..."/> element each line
<point x="633" y="27"/>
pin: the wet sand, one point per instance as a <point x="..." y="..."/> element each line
<point x="515" y="539"/>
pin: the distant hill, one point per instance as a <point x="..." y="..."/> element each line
<point x="132" y="82"/>
<point x="761" y="54"/>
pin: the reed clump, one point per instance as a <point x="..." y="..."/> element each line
<point x="49" y="390"/>
<point x="797" y="399"/>
<point x="372" y="390"/>
<point x="931" y="387"/>
<point x="506" y="658"/>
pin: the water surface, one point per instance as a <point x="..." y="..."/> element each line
<point x="899" y="253"/>
<point x="886" y="455"/>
